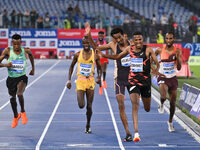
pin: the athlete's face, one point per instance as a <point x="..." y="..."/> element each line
<point x="86" y="44"/>
<point x="169" y="38"/>
<point x="138" y="41"/>
<point x="101" y="37"/>
<point x="119" y="38"/>
<point x="16" y="44"/>
<point x="125" y="37"/>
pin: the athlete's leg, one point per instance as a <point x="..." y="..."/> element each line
<point x="80" y="98"/>
<point x="135" y="106"/>
<point x="104" y="67"/>
<point x="163" y="92"/>
<point x="20" y="90"/>
<point x="120" y="100"/>
<point x="90" y="97"/>
<point x="163" y="95"/>
<point x="13" y="103"/>
<point x="172" y="96"/>
<point x="147" y="103"/>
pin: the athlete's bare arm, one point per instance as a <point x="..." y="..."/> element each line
<point x="116" y="56"/>
<point x="71" y="68"/>
<point x="99" y="69"/>
<point x="5" y="54"/>
<point x="28" y="51"/>
<point x="158" y="51"/>
<point x="178" y="58"/>
<point x="151" y="53"/>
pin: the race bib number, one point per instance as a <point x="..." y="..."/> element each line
<point x="17" y="66"/>
<point x="126" y="61"/>
<point x="85" y="69"/>
<point x="168" y="68"/>
<point x="137" y="64"/>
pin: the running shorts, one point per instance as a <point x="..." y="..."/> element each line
<point x="12" y="83"/>
<point x="85" y="83"/>
<point x="172" y="83"/>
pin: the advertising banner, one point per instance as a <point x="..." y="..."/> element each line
<point x="188" y="96"/>
<point x="194" y="61"/>
<point x="3" y="43"/>
<point x="67" y="52"/>
<point x="196" y="108"/>
<point x="76" y="33"/>
<point x="194" y="48"/>
<point x="38" y="43"/>
<point x="69" y="43"/>
<point x="3" y="33"/>
<point x="32" y="33"/>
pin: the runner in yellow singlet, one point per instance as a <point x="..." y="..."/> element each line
<point x="85" y="82"/>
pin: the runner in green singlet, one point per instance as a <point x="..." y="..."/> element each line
<point x="17" y="79"/>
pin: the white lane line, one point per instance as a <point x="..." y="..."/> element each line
<point x="185" y="126"/>
<point x="114" y="121"/>
<point x="33" y="82"/>
<point x="27" y="68"/>
<point x="51" y="117"/>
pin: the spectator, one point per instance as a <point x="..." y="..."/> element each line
<point x="154" y="23"/>
<point x="192" y="26"/>
<point x="5" y="18"/>
<point x="1" y="20"/>
<point x="154" y="20"/>
<point x="143" y="26"/>
<point x="33" y="17"/>
<point x="19" y="19"/>
<point x="70" y="10"/>
<point x="163" y="20"/>
<point x="55" y="21"/>
<point x="13" y="19"/>
<point x="67" y="24"/>
<point x="77" y="10"/>
<point x="26" y="18"/>
<point x="198" y="34"/>
<point x="160" y="38"/>
<point x="106" y="24"/>
<point x="117" y="21"/>
<point x="171" y="22"/>
<point x="40" y="22"/>
<point x="47" y="24"/>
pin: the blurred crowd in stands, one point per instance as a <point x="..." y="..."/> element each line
<point x="74" y="18"/>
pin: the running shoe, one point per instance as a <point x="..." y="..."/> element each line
<point x="161" y="109"/>
<point x="24" y="118"/>
<point x="15" y="121"/>
<point x="104" y="84"/>
<point x="136" y="137"/>
<point x="128" y="138"/>
<point x="100" y="90"/>
<point x="88" y="130"/>
<point x="170" y="126"/>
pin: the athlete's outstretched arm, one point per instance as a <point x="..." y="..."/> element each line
<point x="99" y="69"/>
<point x="93" y="44"/>
<point x="71" y="68"/>
<point x="88" y="33"/>
<point x="28" y="51"/>
<point x="116" y="56"/>
<point x="178" y="59"/>
<point x="5" y="54"/>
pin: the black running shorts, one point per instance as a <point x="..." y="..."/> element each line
<point x="144" y="91"/>
<point x="12" y="83"/>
